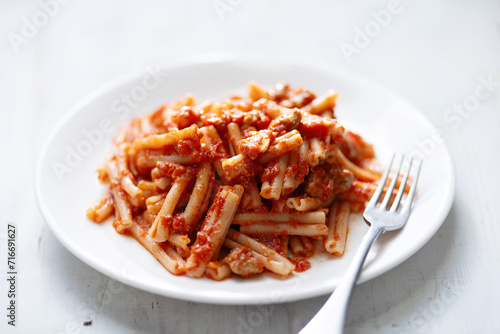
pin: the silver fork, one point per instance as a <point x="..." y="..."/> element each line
<point x="331" y="317"/>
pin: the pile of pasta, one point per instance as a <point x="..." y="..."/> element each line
<point x="244" y="185"/>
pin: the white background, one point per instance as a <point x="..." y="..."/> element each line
<point x="430" y="52"/>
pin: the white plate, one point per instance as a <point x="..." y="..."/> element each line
<point x="381" y="117"/>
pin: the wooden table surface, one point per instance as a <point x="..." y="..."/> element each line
<point x="433" y="53"/>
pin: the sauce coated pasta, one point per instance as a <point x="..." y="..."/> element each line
<point x="239" y="186"/>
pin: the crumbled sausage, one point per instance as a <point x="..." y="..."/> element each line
<point x="243" y="262"/>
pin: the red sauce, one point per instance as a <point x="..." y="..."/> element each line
<point x="185" y="117"/>
<point x="275" y="242"/>
<point x="301" y="264"/>
<point x="256" y="144"/>
<point x="179" y="224"/>
<point x="188" y="146"/>
<point x="355" y="148"/>
<point x="318" y="184"/>
<point x="169" y="168"/>
<point x="316" y="126"/>
<point x="270" y="171"/>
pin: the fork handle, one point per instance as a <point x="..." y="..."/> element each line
<point x="331" y="317"/>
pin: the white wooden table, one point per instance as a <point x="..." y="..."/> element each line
<point x="434" y="53"/>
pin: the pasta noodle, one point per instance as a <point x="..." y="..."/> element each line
<point x="238" y="186"/>
<point x="338" y="222"/>
<point x="214" y="229"/>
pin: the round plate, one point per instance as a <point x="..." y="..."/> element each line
<point x="66" y="183"/>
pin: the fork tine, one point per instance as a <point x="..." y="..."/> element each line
<point x="401" y="190"/>
<point x="390" y="190"/>
<point x="407" y="207"/>
<point x="380" y="188"/>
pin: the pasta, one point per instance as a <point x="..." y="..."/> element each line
<point x="239" y="186"/>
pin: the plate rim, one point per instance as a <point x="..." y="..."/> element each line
<point x="217" y="58"/>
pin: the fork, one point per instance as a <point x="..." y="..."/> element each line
<point x="331" y="317"/>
